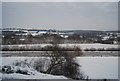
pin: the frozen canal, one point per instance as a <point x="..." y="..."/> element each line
<point x="99" y="67"/>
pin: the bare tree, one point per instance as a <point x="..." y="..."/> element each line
<point x="63" y="63"/>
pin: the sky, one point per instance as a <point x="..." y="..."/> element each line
<point x="59" y="0"/>
<point x="0" y="15"/>
<point x="60" y="15"/>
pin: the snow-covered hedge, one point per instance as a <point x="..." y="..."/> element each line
<point x="64" y="47"/>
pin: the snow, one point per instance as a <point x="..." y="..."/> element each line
<point x="105" y="38"/>
<point x="82" y="46"/>
<point x="36" y="76"/>
<point x="99" y="67"/>
<point x="94" y="45"/>
<point x="33" y="74"/>
<point x="15" y="59"/>
<point x="22" y="39"/>
<point x="64" y="36"/>
<point x="42" y="32"/>
<point x="94" y="67"/>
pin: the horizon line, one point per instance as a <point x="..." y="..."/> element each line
<point x="61" y="29"/>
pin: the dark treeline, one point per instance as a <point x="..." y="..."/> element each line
<point x="12" y="38"/>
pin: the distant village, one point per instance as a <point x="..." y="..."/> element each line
<point x="35" y="36"/>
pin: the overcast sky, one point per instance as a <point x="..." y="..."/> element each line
<point x="60" y="0"/>
<point x="61" y="15"/>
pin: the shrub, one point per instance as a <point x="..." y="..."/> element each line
<point x="41" y="64"/>
<point x="63" y="63"/>
<point x="60" y="63"/>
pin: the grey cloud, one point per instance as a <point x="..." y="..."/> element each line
<point x="60" y="0"/>
<point x="63" y="15"/>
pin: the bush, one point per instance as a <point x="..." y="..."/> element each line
<point x="60" y="63"/>
<point x="41" y="65"/>
<point x="63" y="63"/>
<point x="23" y="67"/>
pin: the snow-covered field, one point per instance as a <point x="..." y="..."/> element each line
<point x="94" y="67"/>
<point x="82" y="46"/>
<point x="94" y="45"/>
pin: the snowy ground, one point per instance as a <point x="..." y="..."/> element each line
<point x="82" y="46"/>
<point x="94" y="45"/>
<point x="32" y="73"/>
<point x="36" y="76"/>
<point x="94" y="67"/>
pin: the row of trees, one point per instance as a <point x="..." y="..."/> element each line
<point x="47" y="38"/>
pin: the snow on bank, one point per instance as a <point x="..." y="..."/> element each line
<point x="36" y="76"/>
<point x="82" y="46"/>
<point x="33" y="74"/>
<point x="94" y="67"/>
<point x="94" y="45"/>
